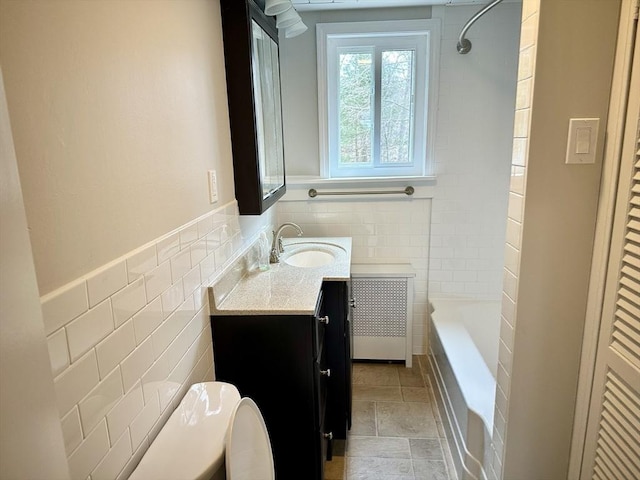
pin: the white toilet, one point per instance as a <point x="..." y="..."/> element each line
<point x="212" y="435"/>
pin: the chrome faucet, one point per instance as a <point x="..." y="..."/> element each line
<point x="276" y="246"/>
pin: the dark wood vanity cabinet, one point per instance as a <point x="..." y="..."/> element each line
<point x="338" y="308"/>
<point x="297" y="369"/>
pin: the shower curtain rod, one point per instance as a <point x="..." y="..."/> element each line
<point x="464" y="45"/>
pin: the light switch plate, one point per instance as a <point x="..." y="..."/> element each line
<point x="582" y="141"/>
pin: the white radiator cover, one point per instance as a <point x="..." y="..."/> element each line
<point x="383" y="317"/>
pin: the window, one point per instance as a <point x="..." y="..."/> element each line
<point x="376" y="97"/>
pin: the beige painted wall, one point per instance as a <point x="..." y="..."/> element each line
<point x="572" y="79"/>
<point x="118" y="110"/>
<point x="31" y="443"/>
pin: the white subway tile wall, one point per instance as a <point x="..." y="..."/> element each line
<point x="76" y="381"/>
<point x="90" y="452"/>
<point x="127" y="340"/>
<point x="58" y="351"/>
<point x="114" y="461"/>
<point x="106" y="281"/>
<point x="473" y="149"/>
<point x="128" y="301"/>
<point x="88" y="329"/>
<point x="71" y="430"/>
<point x="65" y="303"/>
<point x="524" y="93"/>
<point x="143" y="261"/>
<point x="141" y="424"/>
<point x="380" y="229"/>
<point x="157" y="280"/>
<point x="100" y="400"/>
<point x="119" y="418"/>
<point x="115" y="348"/>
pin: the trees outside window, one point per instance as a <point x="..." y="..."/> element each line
<point x="374" y="79"/>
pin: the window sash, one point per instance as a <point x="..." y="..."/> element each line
<point x="376" y="104"/>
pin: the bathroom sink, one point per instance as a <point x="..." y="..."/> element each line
<point x="312" y="253"/>
<point x="310" y="258"/>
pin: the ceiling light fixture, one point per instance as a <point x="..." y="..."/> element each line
<point x="295" y="29"/>
<point x="287" y="17"/>
<point x="276" y="7"/>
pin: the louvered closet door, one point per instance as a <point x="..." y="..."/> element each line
<point x="612" y="448"/>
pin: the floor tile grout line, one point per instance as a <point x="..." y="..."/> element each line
<point x="425" y="383"/>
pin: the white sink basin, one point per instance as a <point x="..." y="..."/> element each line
<point x="311" y="254"/>
<point x="310" y="258"/>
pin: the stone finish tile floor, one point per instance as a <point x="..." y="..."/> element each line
<point x="396" y="433"/>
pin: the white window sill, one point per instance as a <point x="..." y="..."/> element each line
<point x="298" y="188"/>
<point x="360" y="181"/>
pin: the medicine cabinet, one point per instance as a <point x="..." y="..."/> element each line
<point x="255" y="112"/>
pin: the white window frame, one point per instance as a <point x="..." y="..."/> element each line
<point x="331" y="36"/>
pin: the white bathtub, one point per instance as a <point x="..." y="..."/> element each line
<point x="463" y="354"/>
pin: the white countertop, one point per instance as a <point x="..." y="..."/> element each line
<point x="285" y="289"/>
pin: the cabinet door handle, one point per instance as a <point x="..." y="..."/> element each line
<point x="324" y="319"/>
<point x="329" y="438"/>
<point x="326" y="372"/>
<point x="352" y="302"/>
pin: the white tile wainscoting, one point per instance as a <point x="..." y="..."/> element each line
<point x="127" y="340"/>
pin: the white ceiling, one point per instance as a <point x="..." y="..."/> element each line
<point x="305" y="5"/>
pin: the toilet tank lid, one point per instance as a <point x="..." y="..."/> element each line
<point x="191" y="444"/>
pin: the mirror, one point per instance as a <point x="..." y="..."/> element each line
<point x="266" y="94"/>
<point x="253" y="89"/>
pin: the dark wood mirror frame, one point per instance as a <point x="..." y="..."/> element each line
<point x="237" y="17"/>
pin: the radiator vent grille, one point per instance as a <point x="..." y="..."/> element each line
<point x="381" y="307"/>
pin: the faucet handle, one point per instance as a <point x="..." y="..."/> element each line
<point x="280" y="247"/>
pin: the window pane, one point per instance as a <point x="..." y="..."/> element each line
<point x="396" y="115"/>
<point x="355" y="109"/>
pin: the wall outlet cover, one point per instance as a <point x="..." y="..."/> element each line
<point x="213" y="186"/>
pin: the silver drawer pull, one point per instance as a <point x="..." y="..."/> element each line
<point x="329" y="438"/>
<point x="324" y="319"/>
<point x="326" y="372"/>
